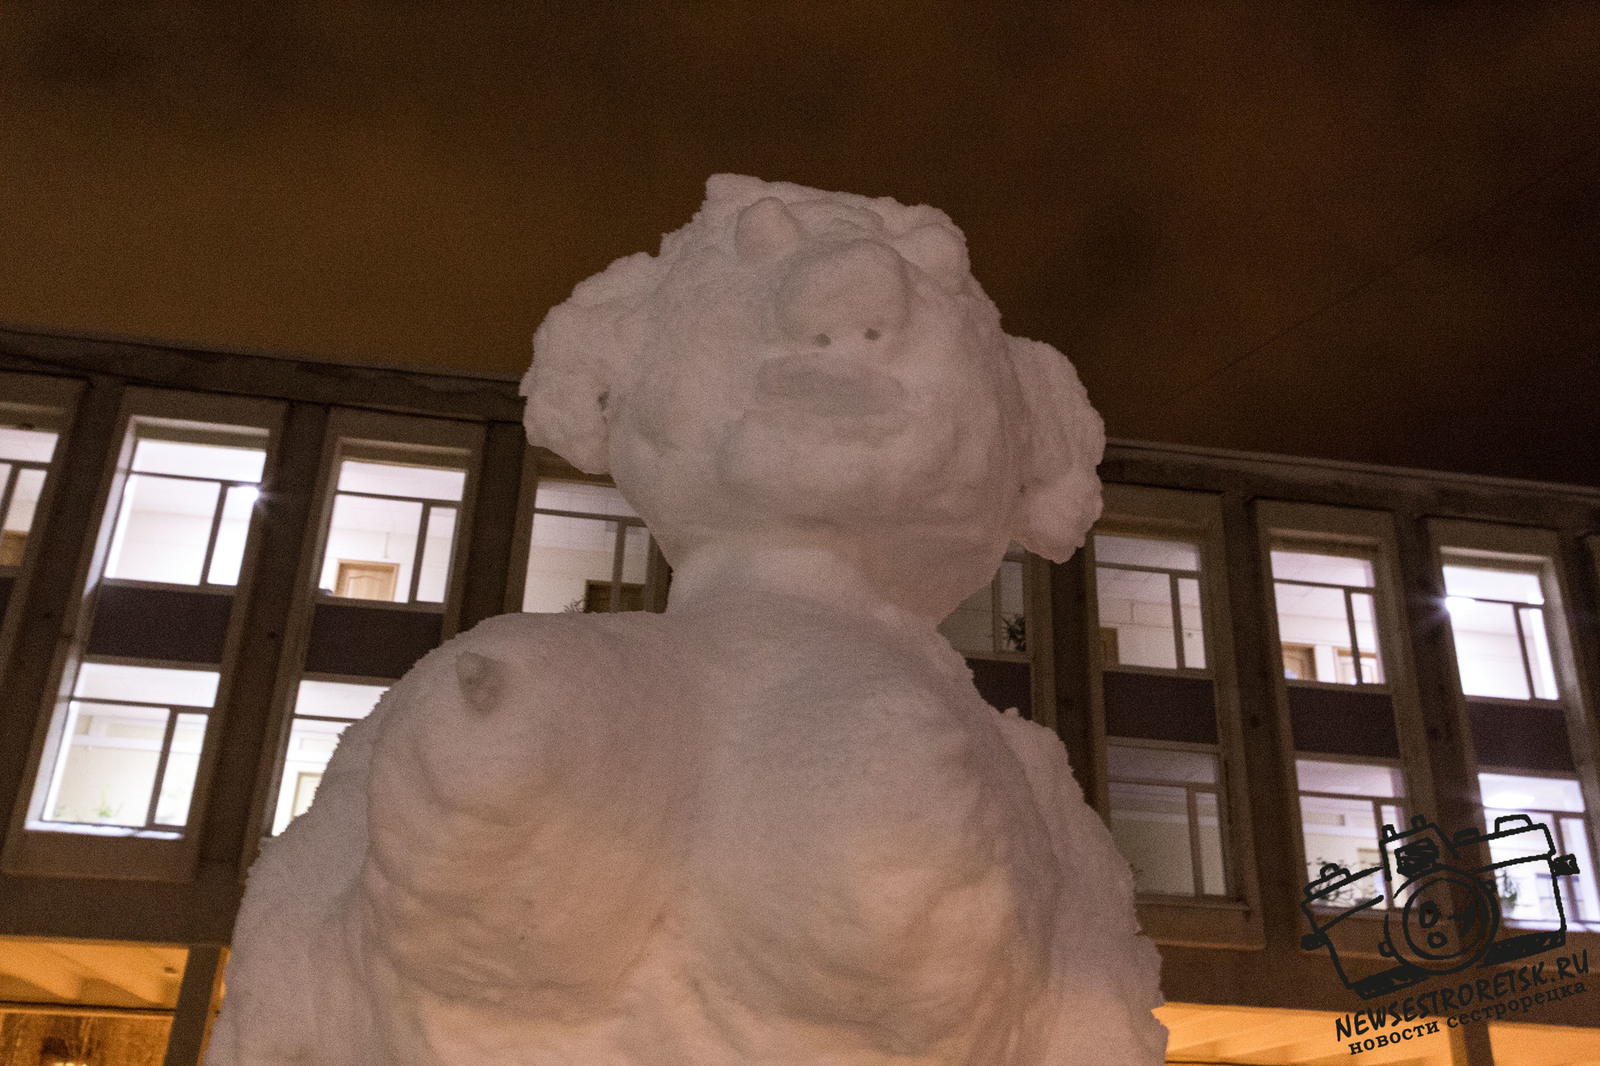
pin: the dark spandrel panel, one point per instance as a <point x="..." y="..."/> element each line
<point x="176" y="624"/>
<point x="369" y="641"/>
<point x="1004" y="684"/>
<point x="1343" y="721"/>
<point x="6" y="581"/>
<point x="1521" y="737"/>
<point x="1160" y="707"/>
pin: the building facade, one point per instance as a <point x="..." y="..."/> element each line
<point x="212" y="563"/>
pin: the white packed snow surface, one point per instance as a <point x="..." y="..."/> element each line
<point x="550" y="843"/>
<point x="776" y="825"/>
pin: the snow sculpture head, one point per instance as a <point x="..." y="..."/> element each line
<point x="819" y="372"/>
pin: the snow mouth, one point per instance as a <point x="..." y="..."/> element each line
<point x="830" y="386"/>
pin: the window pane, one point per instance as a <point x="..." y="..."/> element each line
<point x="111" y="750"/>
<point x="198" y="460"/>
<point x="108" y="764"/>
<point x="1323" y="569"/>
<point x="1517" y="792"/>
<point x="371" y="545"/>
<point x="1143" y="551"/>
<point x="1536" y="643"/>
<point x="1343" y="832"/>
<point x="1126" y="762"/>
<point x="970" y="627"/>
<point x="1314" y="629"/>
<point x="1487" y="652"/>
<point x="24" y="501"/>
<point x="17" y="521"/>
<point x="635" y="560"/>
<point x="1194" y="641"/>
<point x="436" y="555"/>
<point x="1212" y="872"/>
<point x="1355" y="779"/>
<point x="1489" y="584"/>
<point x="1581" y="894"/>
<point x="28" y="445"/>
<point x="568" y="559"/>
<point x="1362" y="610"/>
<point x="1151" y="827"/>
<point x="577" y="496"/>
<point x="337" y="699"/>
<point x="228" y="554"/>
<point x="177" y="783"/>
<point x="1013" y="623"/>
<point x="162" y="529"/>
<point x="311" y="742"/>
<point x="1526" y="889"/>
<point x="311" y="745"/>
<point x="399" y="479"/>
<point x="147" y="684"/>
<point x="1138" y="606"/>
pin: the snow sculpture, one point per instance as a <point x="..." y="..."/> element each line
<point x="776" y="824"/>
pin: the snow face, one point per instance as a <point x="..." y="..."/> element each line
<point x="819" y="372"/>
<point x="776" y="824"/>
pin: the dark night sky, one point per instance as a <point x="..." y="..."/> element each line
<point x="1360" y="231"/>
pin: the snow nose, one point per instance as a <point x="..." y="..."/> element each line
<point x="852" y="291"/>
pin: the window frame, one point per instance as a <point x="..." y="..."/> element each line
<point x="1234" y="921"/>
<point x="32" y="849"/>
<point x="1371" y="535"/>
<point x="372" y="432"/>
<point x="47" y="402"/>
<point x="1538" y="551"/>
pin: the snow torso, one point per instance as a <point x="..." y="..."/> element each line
<point x="741" y="832"/>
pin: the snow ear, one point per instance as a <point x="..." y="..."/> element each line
<point x="576" y="355"/>
<point x="1065" y="441"/>
<point x="482" y="680"/>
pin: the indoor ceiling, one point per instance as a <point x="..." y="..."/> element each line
<point x="1367" y="231"/>
<point x="127" y="977"/>
<point x="1205" y="1035"/>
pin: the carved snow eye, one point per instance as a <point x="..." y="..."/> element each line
<point x="822" y="340"/>
<point x="872" y="334"/>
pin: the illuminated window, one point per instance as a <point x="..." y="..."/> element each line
<point x="1344" y="806"/>
<point x="1497" y="618"/>
<point x="184" y="511"/>
<point x="1503" y="596"/>
<point x="384" y="592"/>
<point x="391" y="531"/>
<point x="589" y="551"/>
<point x="1327" y="620"/>
<point x="323" y="710"/>
<point x="1166" y="818"/>
<point x="24" y="460"/>
<point x="126" y="742"/>
<point x="1164" y="781"/>
<point x="1148" y="592"/>
<point x="131" y="747"/>
<point x="1526" y="889"/>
